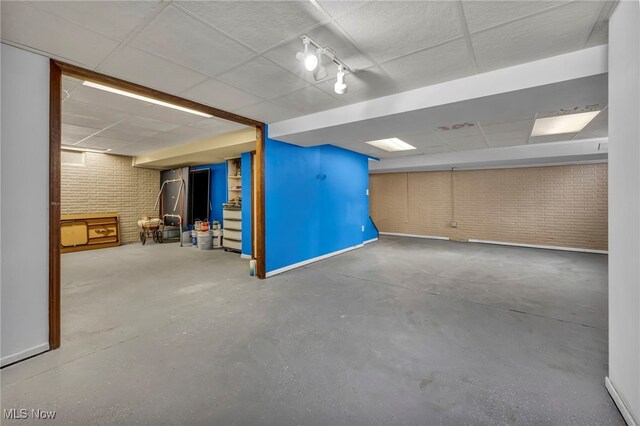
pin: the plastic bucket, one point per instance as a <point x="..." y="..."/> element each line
<point x="186" y="237"/>
<point x="205" y="240"/>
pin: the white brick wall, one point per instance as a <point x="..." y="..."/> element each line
<point x="108" y="183"/>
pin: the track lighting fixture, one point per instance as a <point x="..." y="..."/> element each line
<point x="311" y="56"/>
<point x="340" y="87"/>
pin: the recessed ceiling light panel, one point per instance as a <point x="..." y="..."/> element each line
<point x="392" y="145"/>
<point x="569" y="123"/>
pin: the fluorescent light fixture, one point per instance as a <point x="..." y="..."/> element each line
<point x="144" y="98"/>
<point x="80" y="149"/>
<point x="560" y="124"/>
<point x="391" y="145"/>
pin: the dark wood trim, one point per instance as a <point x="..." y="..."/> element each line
<point x="55" y="141"/>
<point x="96" y="77"/>
<point x="260" y="254"/>
<point x="253" y="204"/>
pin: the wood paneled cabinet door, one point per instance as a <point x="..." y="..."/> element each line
<point x="88" y="231"/>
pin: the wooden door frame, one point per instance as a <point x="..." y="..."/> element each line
<point x="57" y="70"/>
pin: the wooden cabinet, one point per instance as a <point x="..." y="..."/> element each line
<point x="88" y="231"/>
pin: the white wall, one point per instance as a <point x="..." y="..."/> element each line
<point x="624" y="209"/>
<point x="24" y="213"/>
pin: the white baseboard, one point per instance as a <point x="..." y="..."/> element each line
<point x="430" y="237"/>
<point x="501" y="243"/>
<point x="245" y="256"/>
<point x="626" y="414"/>
<point x="370" y="241"/>
<point x="315" y="259"/>
<point x="10" y="359"/>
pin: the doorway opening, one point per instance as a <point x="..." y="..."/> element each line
<point x="92" y="127"/>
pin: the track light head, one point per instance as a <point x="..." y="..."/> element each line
<point x="310" y="57"/>
<point x="340" y="87"/>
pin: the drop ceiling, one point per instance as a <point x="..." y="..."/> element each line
<point x="240" y="55"/>
<point x="92" y="118"/>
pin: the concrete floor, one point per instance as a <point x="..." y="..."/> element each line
<point x="402" y="331"/>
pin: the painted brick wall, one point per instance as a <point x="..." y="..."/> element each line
<point x="108" y="183"/>
<point x="564" y="206"/>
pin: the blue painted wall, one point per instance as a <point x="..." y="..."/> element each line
<point x="218" y="187"/>
<point x="245" y="170"/>
<point x="315" y="201"/>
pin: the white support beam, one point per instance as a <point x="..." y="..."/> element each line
<point x="587" y="150"/>
<point x="570" y="66"/>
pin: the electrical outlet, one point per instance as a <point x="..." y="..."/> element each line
<point x="362" y="228"/>
<point x="454" y="224"/>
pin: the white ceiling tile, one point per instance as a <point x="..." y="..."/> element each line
<point x="362" y="85"/>
<point x="327" y="36"/>
<point x="99" y="142"/>
<point x="149" y="70"/>
<point x="73" y="133"/>
<point x="469" y="146"/>
<point x="168" y="115"/>
<point x="262" y="78"/>
<point x="34" y="28"/>
<point x="220" y="95"/>
<point x="308" y="100"/>
<point x="423" y="140"/>
<point x="94" y="112"/>
<point x="85" y="121"/>
<point x="448" y="61"/>
<point x="192" y="133"/>
<point x="259" y="24"/>
<point x="339" y="8"/>
<point x="114" y="19"/>
<point x="184" y="40"/>
<point x="458" y="130"/>
<point x="467" y="141"/>
<point x="513" y="126"/>
<point x="173" y="138"/>
<point x="129" y="135"/>
<point x="485" y="14"/>
<point x="136" y="122"/>
<point x="388" y="29"/>
<point x="508" y="138"/>
<point x="218" y="126"/>
<point x="559" y="30"/>
<point x="268" y="112"/>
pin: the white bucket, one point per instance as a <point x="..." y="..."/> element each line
<point x="205" y="240"/>
<point x="186" y="237"/>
